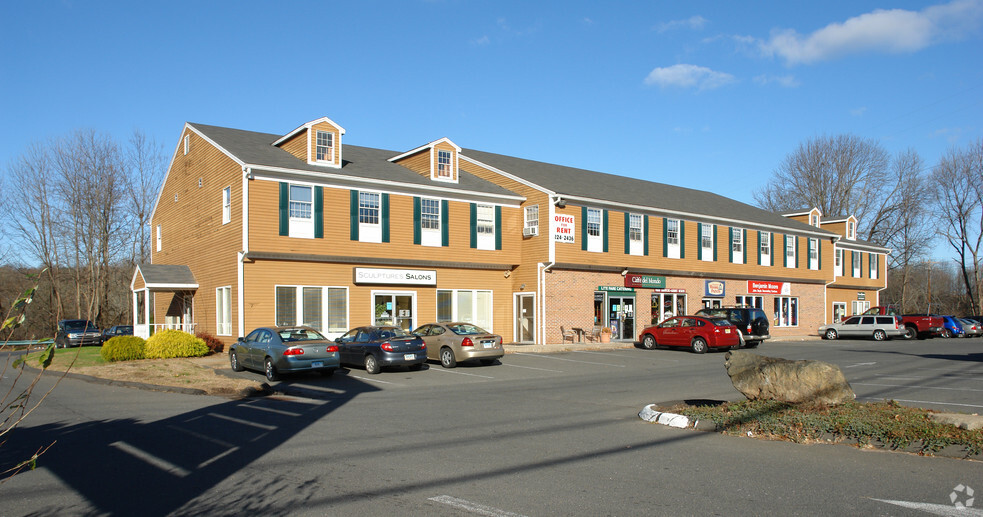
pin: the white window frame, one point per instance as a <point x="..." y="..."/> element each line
<point x="328" y="147"/>
<point x="430" y="218"/>
<point x="813" y="253"/>
<point x="851" y="230"/>
<point x="857" y="259"/>
<point x="737" y="245"/>
<point x="786" y="310"/>
<point x="445" y="170"/>
<point x="223" y="311"/>
<point x="485" y="226"/>
<point x="485" y="321"/>
<point x="532" y="217"/>
<point x="300" y="212"/>
<point x="750" y="300"/>
<point x="672" y="237"/>
<point x="875" y="265"/>
<point x="842" y="311"/>
<point x="707" y="237"/>
<point x="187" y="144"/>
<point x="595" y="230"/>
<point x="636" y="238"/>
<point x="765" y="249"/>
<point x="326" y="315"/>
<point x="159" y="239"/>
<point x="227" y="205"/>
<point x="859" y="306"/>
<point x="790" y="251"/>
<point x="369" y="216"/>
<point x="814" y="220"/>
<point x="838" y="263"/>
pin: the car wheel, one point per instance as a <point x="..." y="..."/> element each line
<point x="880" y="335"/>
<point x="648" y="342"/>
<point x="699" y="345"/>
<point x="910" y="333"/>
<point x="830" y="334"/>
<point x="234" y="361"/>
<point x="372" y="365"/>
<point x="946" y="333"/>
<point x="271" y="373"/>
<point x="447" y="359"/>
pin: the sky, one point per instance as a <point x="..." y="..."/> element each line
<point x="705" y="95"/>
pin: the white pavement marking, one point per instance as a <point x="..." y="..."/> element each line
<point x="947" y="510"/>
<point x="370" y="379"/>
<point x="445" y="370"/>
<point x="475" y="508"/>
<point x="620" y="355"/>
<point x="914" y="386"/>
<point x="162" y="464"/>
<point x="925" y="402"/>
<point x="532" y="368"/>
<point x="859" y="364"/>
<point x="571" y="360"/>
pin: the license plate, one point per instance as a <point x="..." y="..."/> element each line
<point x="489" y="344"/>
<point x="726" y="331"/>
<point x="317" y="364"/>
<point x="409" y="357"/>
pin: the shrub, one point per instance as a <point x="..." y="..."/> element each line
<point x="167" y="344"/>
<point x="214" y="345"/>
<point x="123" y="348"/>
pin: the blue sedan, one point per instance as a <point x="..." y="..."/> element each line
<point x="375" y="347"/>
<point x="279" y="350"/>
<point x="952" y="327"/>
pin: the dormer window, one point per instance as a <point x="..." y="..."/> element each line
<point x="814" y="220"/>
<point x="851" y="230"/>
<point x="443" y="164"/>
<point x="325" y="146"/>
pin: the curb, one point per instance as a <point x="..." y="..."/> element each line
<point x="264" y="391"/>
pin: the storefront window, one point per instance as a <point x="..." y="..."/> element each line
<point x="667" y="305"/>
<point x="786" y="311"/>
<point x="465" y="305"/>
<point x="306" y="305"/>
<point x="750" y="301"/>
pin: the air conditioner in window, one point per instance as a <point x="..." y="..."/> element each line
<point x="530" y="231"/>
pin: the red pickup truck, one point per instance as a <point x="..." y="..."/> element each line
<point x="916" y="325"/>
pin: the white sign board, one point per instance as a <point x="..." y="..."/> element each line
<point x="366" y="275"/>
<point x="564" y="228"/>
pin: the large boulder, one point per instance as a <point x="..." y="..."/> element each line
<point x="772" y="378"/>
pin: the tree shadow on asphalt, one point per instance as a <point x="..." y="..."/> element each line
<point x="976" y="357"/>
<point x="129" y="467"/>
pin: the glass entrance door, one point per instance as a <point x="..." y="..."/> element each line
<point x="621" y="317"/>
<point x="393" y="309"/>
<point x="525" y="318"/>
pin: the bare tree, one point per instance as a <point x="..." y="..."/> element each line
<point x="958" y="178"/>
<point x="147" y="163"/>
<point x="906" y="227"/>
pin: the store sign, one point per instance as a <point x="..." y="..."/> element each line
<point x="669" y="291"/>
<point x="861" y="295"/>
<point x="766" y="287"/>
<point x="564" y="228"/>
<point x="616" y="288"/>
<point x="714" y="288"/>
<point x="366" y="275"/>
<point x="646" y="281"/>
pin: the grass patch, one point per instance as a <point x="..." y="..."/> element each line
<point x="86" y="356"/>
<point x="887" y="423"/>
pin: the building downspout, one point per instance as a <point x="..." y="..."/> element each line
<point x="543" y="268"/>
<point x="241" y="256"/>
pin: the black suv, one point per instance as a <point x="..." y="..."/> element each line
<point x="752" y="322"/>
<point x="77" y="333"/>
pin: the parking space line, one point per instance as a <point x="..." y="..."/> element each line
<point x="445" y="370"/>
<point x="148" y="458"/>
<point x="532" y="368"/>
<point x="914" y="386"/>
<point x="545" y="356"/>
<point x="924" y="402"/>
<point x="371" y="379"/>
<point x="470" y="507"/>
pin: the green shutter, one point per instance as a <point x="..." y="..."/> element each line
<point x="759" y="248"/>
<point x="645" y="235"/>
<point x="416" y="220"/>
<point x="730" y="245"/>
<point x="819" y="252"/>
<point x="682" y="239"/>
<point x="798" y="258"/>
<point x="474" y="225"/>
<point x="665" y="236"/>
<point x="785" y="249"/>
<point x="445" y="229"/>
<point x="699" y="241"/>
<point x="498" y="227"/>
<point x="771" y="243"/>
<point x="318" y="212"/>
<point x="385" y="218"/>
<point x="744" y="245"/>
<point x="583" y="228"/>
<point x="284" y="209"/>
<point x="353" y="215"/>
<point x="605" y="230"/>
<point x="715" y="243"/>
<point x="627" y="233"/>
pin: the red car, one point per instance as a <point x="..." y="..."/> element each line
<point x="696" y="332"/>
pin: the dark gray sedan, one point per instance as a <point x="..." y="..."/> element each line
<point x="375" y="347"/>
<point x="278" y="350"/>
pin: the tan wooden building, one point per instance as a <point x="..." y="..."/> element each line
<point x="258" y="229"/>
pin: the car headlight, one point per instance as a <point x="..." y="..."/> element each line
<point x="73" y="336"/>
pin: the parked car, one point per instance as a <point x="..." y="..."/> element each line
<point x="77" y="333"/>
<point x="877" y="327"/>
<point x="699" y="333"/>
<point x="752" y="322"/>
<point x="951" y="327"/>
<point x="971" y="328"/>
<point x="977" y="319"/>
<point x="117" y="330"/>
<point x="916" y="325"/>
<point x="375" y="347"/>
<point x="455" y="342"/>
<point x="280" y="350"/>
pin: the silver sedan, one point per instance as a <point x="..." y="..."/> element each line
<point x="278" y="350"/>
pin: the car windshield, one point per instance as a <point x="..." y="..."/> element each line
<point x="300" y="334"/>
<point x="466" y="329"/>
<point x="391" y="332"/>
<point x="79" y="325"/>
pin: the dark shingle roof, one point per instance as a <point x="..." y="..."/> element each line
<point x="165" y="274"/>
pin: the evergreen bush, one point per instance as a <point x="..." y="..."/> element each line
<point x="167" y="344"/>
<point x="123" y="348"/>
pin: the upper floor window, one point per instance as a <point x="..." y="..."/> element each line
<point x="856" y="263"/>
<point x="430" y="222"/>
<point x="764" y="248"/>
<point x="369" y="212"/>
<point x="443" y="164"/>
<point x="636" y="234"/>
<point x="814" y="220"/>
<point x="635" y="228"/>
<point x="737" y="245"/>
<point x="672" y="238"/>
<point x="325" y="146"/>
<point x="813" y="253"/>
<point x="187" y="144"/>
<point x="301" y="211"/>
<point x="874" y="265"/>
<point x="594" y="238"/>
<point x="158" y="238"/>
<point x="838" y="263"/>
<point x="485" y="227"/>
<point x="532" y="219"/>
<point x="226" y="205"/>
<point x="789" y="251"/>
<point x="851" y="230"/>
<point x="706" y="241"/>
<point x="368" y="208"/>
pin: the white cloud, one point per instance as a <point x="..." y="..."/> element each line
<point x="894" y="31"/>
<point x="786" y="81"/>
<point x="482" y="41"/>
<point x="858" y="112"/>
<point x="695" y="22"/>
<point x="687" y="76"/>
